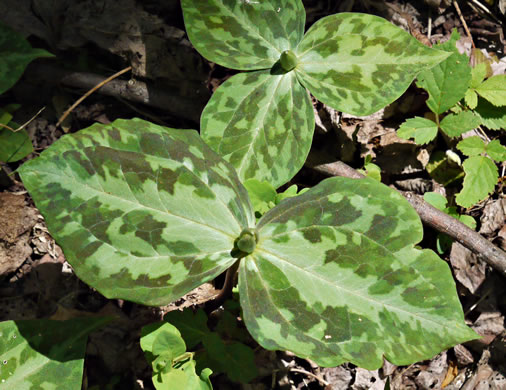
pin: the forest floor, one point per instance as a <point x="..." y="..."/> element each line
<point x="37" y="282"/>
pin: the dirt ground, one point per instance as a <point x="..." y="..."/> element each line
<point x="170" y="84"/>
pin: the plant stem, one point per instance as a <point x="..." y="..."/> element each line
<point x="226" y="291"/>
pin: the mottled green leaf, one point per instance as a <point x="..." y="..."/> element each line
<point x="359" y="63"/>
<point x="142" y="212"/>
<point x="496" y="150"/>
<point x="455" y="125"/>
<point x="494" y="90"/>
<point x="480" y="180"/>
<point x="471" y="146"/>
<point x="15" y="54"/>
<point x="39" y="354"/>
<point x="244" y="34"/>
<point x="335" y="278"/>
<point x="448" y="81"/>
<point x="421" y="129"/>
<point x="262" y="124"/>
<point x="14" y="145"/>
<point x="491" y="116"/>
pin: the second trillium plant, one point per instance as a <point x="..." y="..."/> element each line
<point x="262" y="120"/>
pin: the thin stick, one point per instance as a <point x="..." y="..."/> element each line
<point x="484" y="9"/>
<point x="26" y="124"/>
<point x="434" y="218"/>
<point x="115" y="75"/>
<point x="321" y="380"/>
<point x="456" y="5"/>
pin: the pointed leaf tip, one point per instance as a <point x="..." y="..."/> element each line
<point x="142" y="212"/>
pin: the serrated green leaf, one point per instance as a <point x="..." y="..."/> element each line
<point x="494" y="90"/>
<point x="14" y="145"/>
<point x="436" y="200"/>
<point x="478" y="74"/>
<point x="491" y="116"/>
<point x="262" y="124"/>
<point x="142" y="212"/>
<point x="471" y="146"/>
<point x="39" y="353"/>
<point x="15" y="54"/>
<point x="448" y="81"/>
<point x="480" y="180"/>
<point x="359" y="63"/>
<point x="471" y="99"/>
<point x="421" y="129"/>
<point x="455" y="125"/>
<point x="335" y="278"/>
<point x="244" y="34"/>
<point x="496" y="150"/>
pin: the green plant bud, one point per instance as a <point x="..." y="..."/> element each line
<point x="247" y="241"/>
<point x="288" y="60"/>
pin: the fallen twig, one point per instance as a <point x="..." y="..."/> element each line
<point x="136" y="91"/>
<point x="95" y="87"/>
<point x="434" y="218"/>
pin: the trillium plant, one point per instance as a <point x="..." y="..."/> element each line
<point x="148" y="213"/>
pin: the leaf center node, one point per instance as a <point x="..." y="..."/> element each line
<point x="288" y="60"/>
<point x="247" y="241"/>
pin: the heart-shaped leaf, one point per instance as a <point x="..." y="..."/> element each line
<point x="15" y="54"/>
<point x="262" y="124"/>
<point x="37" y="354"/>
<point x="142" y="212"/>
<point x="359" y="63"/>
<point x="335" y="278"/>
<point x="244" y="34"/>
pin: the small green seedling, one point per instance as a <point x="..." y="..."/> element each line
<point x="37" y="354"/>
<point x="173" y="367"/>
<point x="447" y="84"/>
